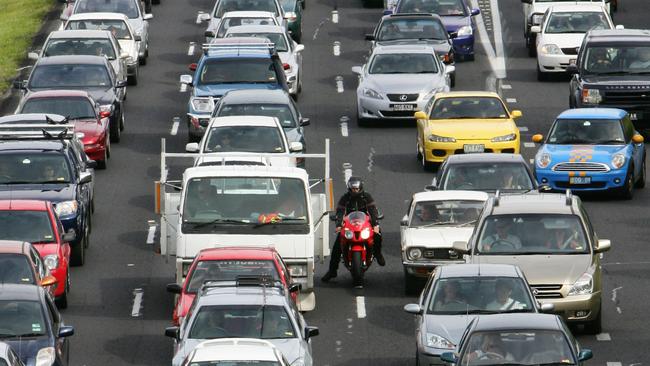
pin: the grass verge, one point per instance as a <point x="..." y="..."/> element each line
<point x="20" y="20"/>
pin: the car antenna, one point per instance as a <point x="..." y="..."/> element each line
<point x="497" y="197"/>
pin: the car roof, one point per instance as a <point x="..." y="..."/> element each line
<point x="256" y="96"/>
<point x="527" y="321"/>
<point x="248" y="14"/>
<point x="252" y="253"/>
<point x="80" y="33"/>
<point x="20" y="292"/>
<point x="450" y="195"/>
<point x="259" y="121"/>
<point x="29" y="205"/>
<point x="606" y="35"/>
<point x="13" y="246"/>
<point x="571" y="8"/>
<point x="468" y="94"/>
<point x="550" y="203"/>
<point x="99" y="16"/>
<point x="32" y="145"/>
<point x="234" y="349"/>
<point x="242" y="295"/>
<point x="382" y="48"/>
<point x="411" y="15"/>
<point x="477" y="270"/>
<point x="256" y="29"/>
<point x="485" y="158"/>
<point x="31" y="117"/>
<point x="593" y="113"/>
<point x="72" y="59"/>
<point x="230" y="171"/>
<point x="58" y="93"/>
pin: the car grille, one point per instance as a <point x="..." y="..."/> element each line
<point x="627" y="97"/>
<point x="592" y="185"/>
<point x="461" y="151"/>
<point x="570" y="50"/>
<point x="438" y="253"/>
<point x="398" y="97"/>
<point x="547" y="291"/>
<point x="582" y="167"/>
<point x="398" y="114"/>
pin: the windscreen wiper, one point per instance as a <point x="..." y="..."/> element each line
<point x="281" y="220"/>
<point x="217" y="221"/>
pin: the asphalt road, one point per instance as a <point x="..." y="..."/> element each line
<point x="365" y="327"/>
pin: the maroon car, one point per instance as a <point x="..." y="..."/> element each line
<point x="82" y="111"/>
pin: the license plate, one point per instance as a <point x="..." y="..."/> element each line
<point x="635" y="116"/>
<point x="403" y="107"/>
<point x="473" y="148"/>
<point x="580" y="180"/>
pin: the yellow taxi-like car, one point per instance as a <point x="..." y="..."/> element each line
<point x="464" y="123"/>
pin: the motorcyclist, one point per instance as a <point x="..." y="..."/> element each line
<point x="355" y="199"/>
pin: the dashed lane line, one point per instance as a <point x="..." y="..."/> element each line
<point x="523" y="129"/>
<point x="347" y="171"/>
<point x="339" y="84"/>
<point x="529" y="144"/>
<point x="336" y="48"/>
<point x="190" y="50"/>
<point x="151" y="234"/>
<point x="506" y="86"/>
<point x="511" y="100"/>
<point x="138" y="294"/>
<point x="183" y="88"/>
<point x="361" y="307"/>
<point x="335" y="16"/>
<point x="603" y="337"/>
<point x="175" y="124"/>
<point x="344" y="126"/>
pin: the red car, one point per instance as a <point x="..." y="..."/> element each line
<point x="226" y="264"/>
<point x="21" y="264"/>
<point x="37" y="223"/>
<point x="81" y="110"/>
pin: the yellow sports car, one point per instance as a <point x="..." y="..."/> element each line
<point x="464" y="123"/>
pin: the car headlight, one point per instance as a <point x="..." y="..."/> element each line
<point x="51" y="261"/>
<point x="436" y="138"/>
<point x="298" y="270"/>
<point x="510" y="137"/>
<point x="415" y="253"/>
<point x="536" y="19"/>
<point x="583" y="286"/>
<point x="365" y="233"/>
<point x="618" y="160"/>
<point x="202" y="104"/>
<point x="66" y="208"/>
<point x="45" y="357"/>
<point x="436" y="341"/>
<point x="465" y="31"/>
<point x="591" y="96"/>
<point x="348" y="234"/>
<point x="550" y="49"/>
<point x="543" y="160"/>
<point x="371" y="93"/>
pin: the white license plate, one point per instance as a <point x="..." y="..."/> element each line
<point x="580" y="180"/>
<point x="473" y="148"/>
<point x="403" y="107"/>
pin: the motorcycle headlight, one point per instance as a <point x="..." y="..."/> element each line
<point x="543" y="160"/>
<point x="348" y="234"/>
<point x="365" y="233"/>
<point x="436" y="138"/>
<point x="66" y="208"/>
<point x="298" y="270"/>
<point x="371" y="93"/>
<point x="618" y="160"/>
<point x="536" y="19"/>
<point x="583" y="286"/>
<point x="510" y="137"/>
<point x="415" y="253"/>
<point x="591" y="96"/>
<point x="202" y="104"/>
<point x="51" y="261"/>
<point x="465" y="31"/>
<point x="550" y="49"/>
<point x="436" y="341"/>
<point x="45" y="357"/>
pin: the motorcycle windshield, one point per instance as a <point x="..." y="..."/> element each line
<point x="357" y="218"/>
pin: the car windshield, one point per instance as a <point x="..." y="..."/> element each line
<point x="126" y="7"/>
<point x="440" y="7"/>
<point x="21" y="318"/>
<point x="462" y="295"/>
<point x="404" y="63"/>
<point x="242" y="321"/>
<point x="276" y="38"/>
<point x="288" y="5"/>
<point x="33" y="168"/>
<point x="583" y="131"/>
<point x="256" y="139"/>
<point x="229" y="270"/>
<point x="80" y="46"/>
<point x="234" y="71"/>
<point x="411" y="28"/>
<point x="118" y="27"/>
<point x="73" y="108"/>
<point x="445" y="213"/>
<point x="525" y="234"/>
<point x="234" y="363"/>
<point x="517" y="347"/>
<point x="280" y="111"/>
<point x="245" y="5"/>
<point x="488" y="177"/>
<point x="468" y="108"/>
<point x="576" y="22"/>
<point x="30" y="226"/>
<point x="15" y="268"/>
<point x="229" y="22"/>
<point x="68" y="76"/>
<point x="615" y="59"/>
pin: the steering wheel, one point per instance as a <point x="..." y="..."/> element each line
<point x="491" y="356"/>
<point x="502" y="243"/>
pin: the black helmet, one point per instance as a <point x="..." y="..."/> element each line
<point x="355" y="182"/>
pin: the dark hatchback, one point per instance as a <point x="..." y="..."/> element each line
<point x="31" y="324"/>
<point x="93" y="74"/>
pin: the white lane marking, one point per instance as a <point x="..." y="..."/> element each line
<point x="190" y="50"/>
<point x="529" y="144"/>
<point x="495" y="57"/>
<point x="344" y="125"/>
<point x="138" y="293"/>
<point x="614" y="364"/>
<point x="152" y="231"/>
<point x="618" y="310"/>
<point x="523" y="129"/>
<point x="361" y="307"/>
<point x="603" y="337"/>
<point x="371" y="159"/>
<point x="335" y="16"/>
<point x="183" y="88"/>
<point x="130" y="265"/>
<point x="623" y="263"/>
<point x="318" y="28"/>
<point x="175" y="124"/>
<point x="506" y="86"/>
<point x="511" y="100"/>
<point x="347" y="171"/>
<point x="339" y="84"/>
<point x="336" y="48"/>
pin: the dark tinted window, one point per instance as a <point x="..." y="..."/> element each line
<point x="245" y="5"/>
<point x="586" y="131"/>
<point x="29" y="226"/>
<point x="440" y="7"/>
<point x="238" y="71"/>
<point x="244" y="139"/>
<point x="74" y="108"/>
<point x="468" y="108"/>
<point x="265" y="322"/>
<point x="21" y="319"/>
<point x="276" y="38"/>
<point x="405" y="28"/>
<point x="65" y="76"/>
<point x="16" y="268"/>
<point x="237" y="21"/>
<point x="34" y="168"/>
<point x="416" y="63"/>
<point x="80" y="46"/>
<point x="487" y="177"/>
<point x="117" y="27"/>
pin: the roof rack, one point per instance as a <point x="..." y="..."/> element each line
<point x="569" y="197"/>
<point x="207" y="47"/>
<point x="44" y="131"/>
<point x="497" y="198"/>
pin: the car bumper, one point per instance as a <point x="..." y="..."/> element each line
<point x="60" y="273"/>
<point x="463" y="45"/>
<point x="569" y="307"/>
<point x="96" y="151"/>
<point x="554" y="63"/>
<point x="437" y="152"/>
<point x="370" y="108"/>
<point x="560" y="181"/>
<point x="424" y="269"/>
<point x="132" y="69"/>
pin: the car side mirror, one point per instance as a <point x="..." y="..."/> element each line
<point x="414" y="309"/>
<point x="186" y="79"/>
<point x="516" y="113"/>
<point x="380" y="216"/>
<point x="69" y="236"/>
<point x="193" y="66"/>
<point x="121" y="84"/>
<point x="538" y="138"/>
<point x="64" y="17"/>
<point x="404" y="221"/>
<point x="603" y="245"/>
<point x="450" y="69"/>
<point x="475" y="12"/>
<point x="304" y="122"/>
<point x="572" y="69"/>
<point x="295" y="287"/>
<point x="124" y="55"/>
<point x="66" y="331"/>
<point x="448" y="357"/>
<point x="535" y="29"/>
<point x="430" y="187"/>
<point x="311" y="332"/>
<point x="295" y="146"/>
<point x="147" y="16"/>
<point x="370" y="37"/>
<point x="546" y="307"/>
<point x="19" y="84"/>
<point x="137" y="37"/>
<point x="204" y="17"/>
<point x="91" y="164"/>
<point x="460" y="246"/>
<point x="192" y="147"/>
<point x="172" y="332"/>
<point x="357" y="70"/>
<point x="85" y="178"/>
<point x="420" y="115"/>
<point x="637" y="139"/>
<point x="48" y="281"/>
<point x="32" y="56"/>
<point x="174" y="288"/>
<point x="585" y="354"/>
<point x="209" y="34"/>
<point x="300" y="48"/>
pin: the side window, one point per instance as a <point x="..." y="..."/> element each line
<point x="628" y="128"/>
<point x="283" y="267"/>
<point x="36" y="258"/>
<point x="590" y="228"/>
<point x="427" y="288"/>
<point x="53" y="313"/>
<point x="74" y="160"/>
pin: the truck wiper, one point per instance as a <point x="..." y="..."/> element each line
<point x="217" y="221"/>
<point x="281" y="220"/>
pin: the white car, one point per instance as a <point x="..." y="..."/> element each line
<point x="221" y="7"/>
<point x="243" y="140"/>
<point x="561" y="34"/>
<point x="236" y="351"/>
<point x="119" y="25"/>
<point x="434" y="221"/>
<point x="239" y="18"/>
<point x="289" y="51"/>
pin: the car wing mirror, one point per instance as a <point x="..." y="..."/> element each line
<point x="295" y="146"/>
<point x="121" y="84"/>
<point x="192" y="147"/>
<point x="304" y="122"/>
<point x="460" y="246"/>
<point x="357" y="70"/>
<point x="414" y="309"/>
<point x="172" y="332"/>
<point x="48" y="281"/>
<point x="603" y="245"/>
<point x="572" y="69"/>
<point x="147" y="16"/>
<point x="91" y="164"/>
<point x="174" y="288"/>
<point x="475" y="12"/>
<point x="585" y="354"/>
<point x="333" y="216"/>
<point x="20" y="84"/>
<point x="311" y="332"/>
<point x="370" y="37"/>
<point x="33" y="55"/>
<point x="209" y="34"/>
<point x="535" y="29"/>
<point x="137" y="38"/>
<point x="86" y="177"/>
<point x="448" y="357"/>
<point x="300" y="48"/>
<point x="404" y="221"/>
<point x="295" y="287"/>
<point x="186" y="79"/>
<point x="204" y="17"/>
<point x="546" y="307"/>
<point x="66" y="331"/>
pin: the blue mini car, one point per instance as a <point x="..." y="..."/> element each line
<point x="591" y="149"/>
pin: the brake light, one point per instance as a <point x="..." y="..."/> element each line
<point x="193" y="66"/>
<point x="286" y="66"/>
<point x="104" y="114"/>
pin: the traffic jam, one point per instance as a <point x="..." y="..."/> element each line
<point x="327" y="183"/>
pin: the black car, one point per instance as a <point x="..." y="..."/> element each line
<point x="488" y="172"/>
<point x="50" y="168"/>
<point x="612" y="70"/>
<point x="32" y="326"/>
<point x="93" y="74"/>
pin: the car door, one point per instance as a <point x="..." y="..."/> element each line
<point x="121" y="72"/>
<point x="638" y="150"/>
<point x="61" y="343"/>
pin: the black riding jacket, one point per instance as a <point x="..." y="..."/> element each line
<point x="359" y="202"/>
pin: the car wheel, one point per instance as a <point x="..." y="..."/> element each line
<point x="417" y="151"/>
<point x="115" y="130"/>
<point x="89" y="229"/>
<point x="122" y="122"/>
<point x="62" y="301"/>
<point x="469" y="57"/>
<point x="108" y="146"/>
<point x="532" y="48"/>
<point x="362" y="122"/>
<point x="78" y="254"/>
<point x="410" y="288"/>
<point x="640" y="183"/>
<point x="417" y="358"/>
<point x="303" y="4"/>
<point x="452" y="80"/>
<point x="595" y="326"/>
<point x="627" y="191"/>
<point x="541" y="76"/>
<point x="133" y="79"/>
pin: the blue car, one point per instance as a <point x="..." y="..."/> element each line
<point x="456" y="16"/>
<point x="591" y="149"/>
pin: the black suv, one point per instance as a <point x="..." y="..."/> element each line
<point x="50" y="167"/>
<point x="613" y="70"/>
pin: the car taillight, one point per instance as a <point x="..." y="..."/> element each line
<point x="286" y="66"/>
<point x="104" y="114"/>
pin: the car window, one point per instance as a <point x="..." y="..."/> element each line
<point x="80" y="46"/>
<point x="623" y="58"/>
<point x="242" y="321"/>
<point x="445" y="213"/>
<point x="225" y="6"/>
<point x="244" y="139"/>
<point x="587" y="131"/>
<point x="28" y="226"/>
<point x="281" y="111"/>
<point x="277" y="39"/>
<point x="233" y="71"/>
<point x="628" y="128"/>
<point x="55" y="317"/>
<point x="36" y="258"/>
<point x="16" y="269"/>
<point x="229" y="22"/>
<point x="411" y="28"/>
<point x="21" y="318"/>
<point x="487" y="177"/>
<point x="576" y="22"/>
<point x="71" y="107"/>
<point x="229" y="270"/>
<point x="468" y="108"/>
<point x="72" y="75"/>
<point x="126" y="7"/>
<point x="440" y="7"/>
<point x="415" y="63"/>
<point x="118" y="28"/>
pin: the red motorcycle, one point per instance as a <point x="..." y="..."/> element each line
<point x="357" y="240"/>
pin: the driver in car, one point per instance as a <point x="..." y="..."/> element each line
<point x="501" y="239"/>
<point x="202" y="198"/>
<point x="502" y="299"/>
<point x="491" y="348"/>
<point x="452" y="298"/>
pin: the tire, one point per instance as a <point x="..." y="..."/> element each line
<point x="541" y="76"/>
<point x="155" y="2"/>
<point x="356" y="270"/>
<point x="78" y="254"/>
<point x="90" y="230"/>
<point x="133" y="79"/>
<point x="115" y="130"/>
<point x="298" y="38"/>
<point x="452" y="80"/>
<point x="62" y="301"/>
<point x="530" y="43"/>
<point x="627" y="191"/>
<point x="640" y="183"/>
<point x="304" y="4"/>
<point x="595" y="326"/>
<point x="418" y="154"/>
<point x="426" y="166"/>
<point x="362" y="122"/>
<point x="410" y="287"/>
<point x="417" y="358"/>
<point x="122" y="122"/>
<point x="468" y="57"/>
